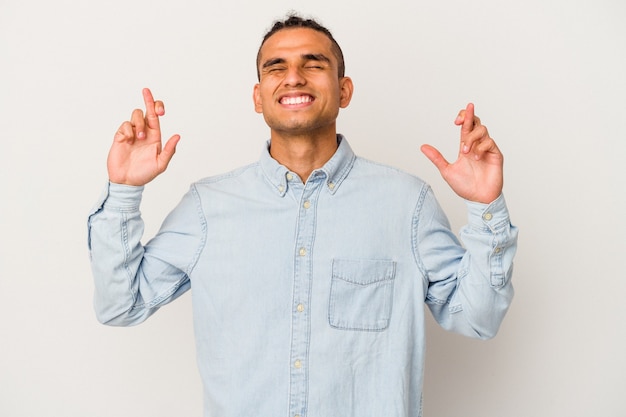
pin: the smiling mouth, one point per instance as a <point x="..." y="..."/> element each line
<point x="296" y="100"/>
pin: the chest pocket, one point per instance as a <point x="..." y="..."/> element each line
<point x="361" y="294"/>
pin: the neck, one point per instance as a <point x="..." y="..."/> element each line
<point x="303" y="154"/>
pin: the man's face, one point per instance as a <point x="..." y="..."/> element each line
<point x="300" y="92"/>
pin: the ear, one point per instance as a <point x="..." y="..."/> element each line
<point x="256" y="98"/>
<point x="346" y="90"/>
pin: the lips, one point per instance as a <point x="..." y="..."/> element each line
<point x="296" y="100"/>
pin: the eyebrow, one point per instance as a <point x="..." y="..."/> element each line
<point x="316" y="57"/>
<point x="306" y="57"/>
<point x="274" y="61"/>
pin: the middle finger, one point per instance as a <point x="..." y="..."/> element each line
<point x="138" y="122"/>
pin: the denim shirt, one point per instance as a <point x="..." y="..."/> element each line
<point x="307" y="297"/>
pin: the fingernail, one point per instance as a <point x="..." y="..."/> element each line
<point x="140" y="135"/>
<point x="465" y="148"/>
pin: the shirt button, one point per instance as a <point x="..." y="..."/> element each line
<point x="331" y="185"/>
<point x="300" y="308"/>
<point x="289" y="176"/>
<point x="497" y="250"/>
<point x="302" y="252"/>
<point x="306" y="204"/>
<point x="297" y="364"/>
<point x="488" y="216"/>
<point x="281" y="188"/>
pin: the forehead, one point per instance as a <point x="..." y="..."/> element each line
<point x="295" y="41"/>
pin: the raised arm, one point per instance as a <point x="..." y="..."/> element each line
<point x="137" y="156"/>
<point x="470" y="295"/>
<point x="129" y="284"/>
<point x="476" y="175"/>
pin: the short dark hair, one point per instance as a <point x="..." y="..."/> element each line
<point x="295" y="21"/>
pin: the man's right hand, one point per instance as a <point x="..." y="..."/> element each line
<point x="136" y="156"/>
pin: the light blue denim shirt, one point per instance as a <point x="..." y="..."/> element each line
<point x="307" y="297"/>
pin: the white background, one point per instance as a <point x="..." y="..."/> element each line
<point x="547" y="78"/>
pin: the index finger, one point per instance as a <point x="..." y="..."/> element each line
<point x="152" y="118"/>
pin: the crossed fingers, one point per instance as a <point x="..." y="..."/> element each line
<point x="475" y="138"/>
<point x="140" y="125"/>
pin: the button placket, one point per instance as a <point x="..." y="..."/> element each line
<point x="301" y="320"/>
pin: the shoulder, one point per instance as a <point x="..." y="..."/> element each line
<point x="376" y="171"/>
<point x="228" y="178"/>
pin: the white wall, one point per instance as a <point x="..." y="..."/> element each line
<point x="547" y="77"/>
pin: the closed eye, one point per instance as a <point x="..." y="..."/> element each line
<point x="316" y="61"/>
<point x="273" y="65"/>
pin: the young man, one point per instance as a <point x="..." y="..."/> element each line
<point x="310" y="267"/>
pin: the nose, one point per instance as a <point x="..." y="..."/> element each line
<point x="294" y="77"/>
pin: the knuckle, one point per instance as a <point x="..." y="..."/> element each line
<point x="120" y="136"/>
<point x="124" y="132"/>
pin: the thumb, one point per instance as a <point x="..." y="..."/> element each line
<point x="435" y="157"/>
<point x="168" y="151"/>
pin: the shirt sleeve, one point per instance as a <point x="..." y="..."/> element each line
<point x="132" y="281"/>
<point x="468" y="287"/>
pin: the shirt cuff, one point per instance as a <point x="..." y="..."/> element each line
<point x="122" y="197"/>
<point x="118" y="197"/>
<point x="491" y="217"/>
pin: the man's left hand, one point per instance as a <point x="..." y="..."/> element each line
<point x="477" y="173"/>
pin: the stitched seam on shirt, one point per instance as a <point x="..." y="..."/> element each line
<point x="129" y="274"/>
<point x="415" y="226"/>
<point x="203" y="224"/>
<point x="497" y="277"/>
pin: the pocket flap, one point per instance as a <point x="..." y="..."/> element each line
<point x="364" y="271"/>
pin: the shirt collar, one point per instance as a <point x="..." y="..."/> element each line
<point x="335" y="170"/>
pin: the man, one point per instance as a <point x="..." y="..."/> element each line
<point x="310" y="267"/>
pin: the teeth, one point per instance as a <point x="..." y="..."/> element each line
<point x="296" y="100"/>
